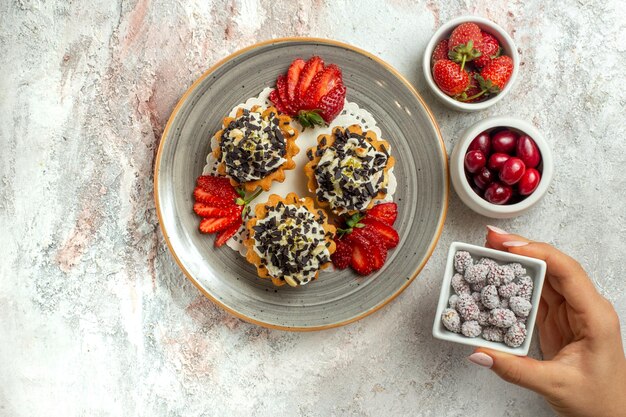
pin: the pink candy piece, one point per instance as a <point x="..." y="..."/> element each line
<point x="515" y="335"/>
<point x="451" y="320"/>
<point x="501" y="317"/>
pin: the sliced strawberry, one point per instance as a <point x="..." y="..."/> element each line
<point x="205" y="210"/>
<point x="226" y="234"/>
<point x="314" y="65"/>
<point x="332" y="103"/>
<point x="378" y="248"/>
<point x="361" y="260"/>
<point x="343" y="254"/>
<point x="387" y="234"/>
<point x="202" y="196"/>
<point x="217" y="186"/>
<point x="293" y="75"/>
<point x="281" y="86"/>
<point x="322" y="83"/>
<point x="385" y="212"/>
<point x="217" y="224"/>
<point x="275" y="98"/>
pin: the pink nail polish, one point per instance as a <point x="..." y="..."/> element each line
<point x="481" y="359"/>
<point x="497" y="230"/>
<point x="514" y="244"/>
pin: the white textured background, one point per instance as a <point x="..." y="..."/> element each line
<point x="95" y="317"/>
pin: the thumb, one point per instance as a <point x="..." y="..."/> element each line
<point x="519" y="370"/>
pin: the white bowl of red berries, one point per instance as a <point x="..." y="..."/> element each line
<point x="501" y="167"/>
<point x="470" y="63"/>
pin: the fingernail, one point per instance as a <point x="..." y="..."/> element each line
<point x="497" y="230"/>
<point x="514" y="244"/>
<point x="481" y="359"/>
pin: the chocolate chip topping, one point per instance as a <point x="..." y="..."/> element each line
<point x="252" y="146"/>
<point x="291" y="243"/>
<point x="350" y="172"/>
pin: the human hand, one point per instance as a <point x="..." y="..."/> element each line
<point x="584" y="369"/>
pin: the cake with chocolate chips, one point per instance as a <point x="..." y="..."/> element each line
<point x="349" y="169"/>
<point x="289" y="240"/>
<point x="255" y="147"/>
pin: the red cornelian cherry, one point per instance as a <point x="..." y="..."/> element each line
<point x="483" y="178"/>
<point x="482" y="143"/>
<point x="504" y="141"/>
<point x="512" y="171"/>
<point x="527" y="151"/>
<point x="498" y="193"/>
<point x="529" y="182"/>
<point x="496" y="161"/>
<point x="474" y="161"/>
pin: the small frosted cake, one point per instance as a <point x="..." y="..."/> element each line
<point x="348" y="170"/>
<point x="290" y="240"/>
<point x="256" y="147"/>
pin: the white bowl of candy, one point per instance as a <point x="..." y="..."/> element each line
<point x="489" y="298"/>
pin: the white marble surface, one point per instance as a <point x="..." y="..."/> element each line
<point x="95" y="317"/>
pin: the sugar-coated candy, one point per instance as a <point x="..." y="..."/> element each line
<point x="462" y="259"/>
<point x="493" y="334"/>
<point x="477" y="300"/>
<point x="518" y="269"/>
<point x="504" y="303"/>
<point x="467" y="308"/>
<point x="508" y="290"/>
<point x="451" y="320"/>
<point x="487" y="261"/>
<point x="489" y="297"/>
<point x="525" y="284"/>
<point x="500" y="275"/>
<point x="477" y="287"/>
<point x="459" y="284"/>
<point x="502" y="317"/>
<point x="515" y="335"/>
<point x="471" y="328"/>
<point x="483" y="318"/>
<point x="453" y="300"/>
<point x="520" y="306"/>
<point x="476" y="273"/>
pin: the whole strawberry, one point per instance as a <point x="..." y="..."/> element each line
<point x="450" y="78"/>
<point x="489" y="49"/>
<point x="440" y="51"/>
<point x="463" y="43"/>
<point x="494" y="76"/>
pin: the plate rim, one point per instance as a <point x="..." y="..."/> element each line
<point x="331" y="42"/>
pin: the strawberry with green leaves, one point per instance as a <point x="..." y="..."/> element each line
<point x="365" y="238"/>
<point x="493" y="77"/>
<point x="221" y="206"/>
<point x="464" y="42"/>
<point x="449" y="77"/>
<point x="311" y="92"/>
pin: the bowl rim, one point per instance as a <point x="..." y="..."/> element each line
<point x="441" y="333"/>
<point x="443" y="31"/>
<point x="507" y="122"/>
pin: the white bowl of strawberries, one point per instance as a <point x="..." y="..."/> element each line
<point x="470" y="63"/>
<point x="501" y="167"/>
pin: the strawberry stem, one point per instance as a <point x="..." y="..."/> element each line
<point x="463" y="62"/>
<point x="253" y="196"/>
<point x="351" y="223"/>
<point x="245" y="202"/>
<point x="474" y="96"/>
